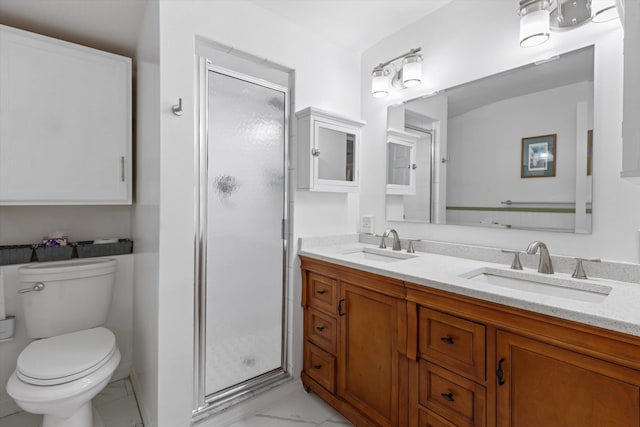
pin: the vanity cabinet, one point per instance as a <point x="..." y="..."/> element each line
<point x="65" y="122"/>
<point x="401" y="162"/>
<point x="328" y="151"/>
<point x="354" y="341"/>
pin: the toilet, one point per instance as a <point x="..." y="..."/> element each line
<point x="74" y="356"/>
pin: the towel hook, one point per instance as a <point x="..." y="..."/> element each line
<point x="177" y="109"/>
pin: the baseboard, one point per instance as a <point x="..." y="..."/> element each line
<point x="146" y="418"/>
<point x="7" y="407"/>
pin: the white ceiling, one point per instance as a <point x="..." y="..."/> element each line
<point x="354" y="24"/>
<point x="113" y="25"/>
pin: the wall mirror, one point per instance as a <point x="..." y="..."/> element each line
<point x="512" y="150"/>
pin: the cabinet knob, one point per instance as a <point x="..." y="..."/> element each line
<point x="320" y="328"/>
<point x="317" y="366"/>
<point x="447" y="340"/>
<point x="448" y="396"/>
<point x="321" y="291"/>
<point x="315" y="152"/>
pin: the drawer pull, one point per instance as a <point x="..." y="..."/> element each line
<point x="320" y="328"/>
<point x="322" y="291"/>
<point x="317" y="366"/>
<point x="448" y="396"/>
<point x="447" y="340"/>
<point x="500" y="372"/>
<point x="340" y="312"/>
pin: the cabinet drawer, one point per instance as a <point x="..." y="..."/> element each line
<point x="451" y="396"/>
<point x="458" y="343"/>
<point x="322" y="330"/>
<point x="321" y="366"/>
<point x="323" y="293"/>
<point x="429" y="419"/>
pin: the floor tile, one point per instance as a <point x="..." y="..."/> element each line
<point x="21" y="419"/>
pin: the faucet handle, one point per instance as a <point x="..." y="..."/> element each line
<point x="383" y="244"/>
<point x="410" y="249"/>
<point x="579" y="272"/>
<point x="515" y="264"/>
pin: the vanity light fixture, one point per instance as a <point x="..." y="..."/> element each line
<point x="539" y="17"/>
<point x="408" y="75"/>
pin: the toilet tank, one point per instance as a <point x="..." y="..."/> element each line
<point x="76" y="295"/>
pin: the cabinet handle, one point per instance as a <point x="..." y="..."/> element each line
<point x="322" y="292"/>
<point x="340" y="312"/>
<point x="122" y="168"/>
<point x="447" y="340"/>
<point x="320" y="328"/>
<point x="315" y="152"/>
<point x="317" y="366"/>
<point x="500" y="372"/>
<point x="448" y="396"/>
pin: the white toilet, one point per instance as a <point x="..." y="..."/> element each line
<point x="65" y="304"/>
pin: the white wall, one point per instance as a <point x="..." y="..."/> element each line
<point x="484" y="41"/>
<point x="119" y="322"/>
<point x="327" y="77"/>
<point x="145" y="217"/>
<point x="484" y="148"/>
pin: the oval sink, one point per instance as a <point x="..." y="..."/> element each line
<point x="381" y="255"/>
<point x="578" y="290"/>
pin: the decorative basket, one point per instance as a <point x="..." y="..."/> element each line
<point x="88" y="249"/>
<point x="15" y="254"/>
<point x="54" y="253"/>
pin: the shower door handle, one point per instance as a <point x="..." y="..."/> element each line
<point x="340" y="312"/>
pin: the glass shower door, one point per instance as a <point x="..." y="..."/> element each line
<point x="245" y="247"/>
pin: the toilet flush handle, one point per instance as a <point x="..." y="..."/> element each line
<point x="37" y="288"/>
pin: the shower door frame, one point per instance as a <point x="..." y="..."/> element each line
<point x="206" y="405"/>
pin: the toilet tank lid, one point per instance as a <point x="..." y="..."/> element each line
<point x="64" y="270"/>
<point x="66" y="355"/>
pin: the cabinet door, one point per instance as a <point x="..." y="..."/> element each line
<point x="552" y="387"/>
<point x="368" y="356"/>
<point x="65" y="122"/>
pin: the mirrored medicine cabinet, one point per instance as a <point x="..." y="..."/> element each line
<point x="509" y="151"/>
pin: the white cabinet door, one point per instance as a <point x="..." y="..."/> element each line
<point x="65" y="122"/>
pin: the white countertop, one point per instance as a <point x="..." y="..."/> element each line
<point x="618" y="311"/>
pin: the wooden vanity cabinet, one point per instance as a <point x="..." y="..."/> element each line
<point x="515" y="368"/>
<point x="354" y="342"/>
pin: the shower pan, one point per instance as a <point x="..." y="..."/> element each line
<point x="241" y="246"/>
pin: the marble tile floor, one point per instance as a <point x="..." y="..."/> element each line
<point x="116" y="405"/>
<point x="118" y="408"/>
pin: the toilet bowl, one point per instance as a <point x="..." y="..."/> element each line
<point x="58" y="376"/>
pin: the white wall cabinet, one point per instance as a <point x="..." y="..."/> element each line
<point x="328" y="151"/>
<point x="65" y="123"/>
<point x="401" y="162"/>
<point x="631" y="107"/>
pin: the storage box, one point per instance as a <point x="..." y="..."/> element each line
<point x="89" y="249"/>
<point x="15" y="254"/>
<point x="54" y="253"/>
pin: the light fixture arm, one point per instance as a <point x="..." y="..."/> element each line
<point x="382" y="65"/>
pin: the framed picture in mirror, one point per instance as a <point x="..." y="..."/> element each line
<point x="538" y="157"/>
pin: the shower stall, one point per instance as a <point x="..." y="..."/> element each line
<point x="241" y="248"/>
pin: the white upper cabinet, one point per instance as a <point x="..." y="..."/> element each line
<point x="401" y="162"/>
<point x="631" y="107"/>
<point x="65" y="123"/>
<point x="328" y="151"/>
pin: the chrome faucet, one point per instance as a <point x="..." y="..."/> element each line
<point x="396" y="239"/>
<point x="545" y="265"/>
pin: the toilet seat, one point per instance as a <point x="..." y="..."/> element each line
<point x="65" y="358"/>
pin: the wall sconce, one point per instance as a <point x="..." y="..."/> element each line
<point x="538" y="17"/>
<point x="409" y="75"/>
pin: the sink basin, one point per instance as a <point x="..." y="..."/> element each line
<point x="578" y="290"/>
<point x="381" y="255"/>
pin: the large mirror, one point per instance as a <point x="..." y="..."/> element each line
<point x="509" y="151"/>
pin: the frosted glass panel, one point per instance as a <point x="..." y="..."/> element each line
<point x="246" y="141"/>
<point x="335" y="161"/>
